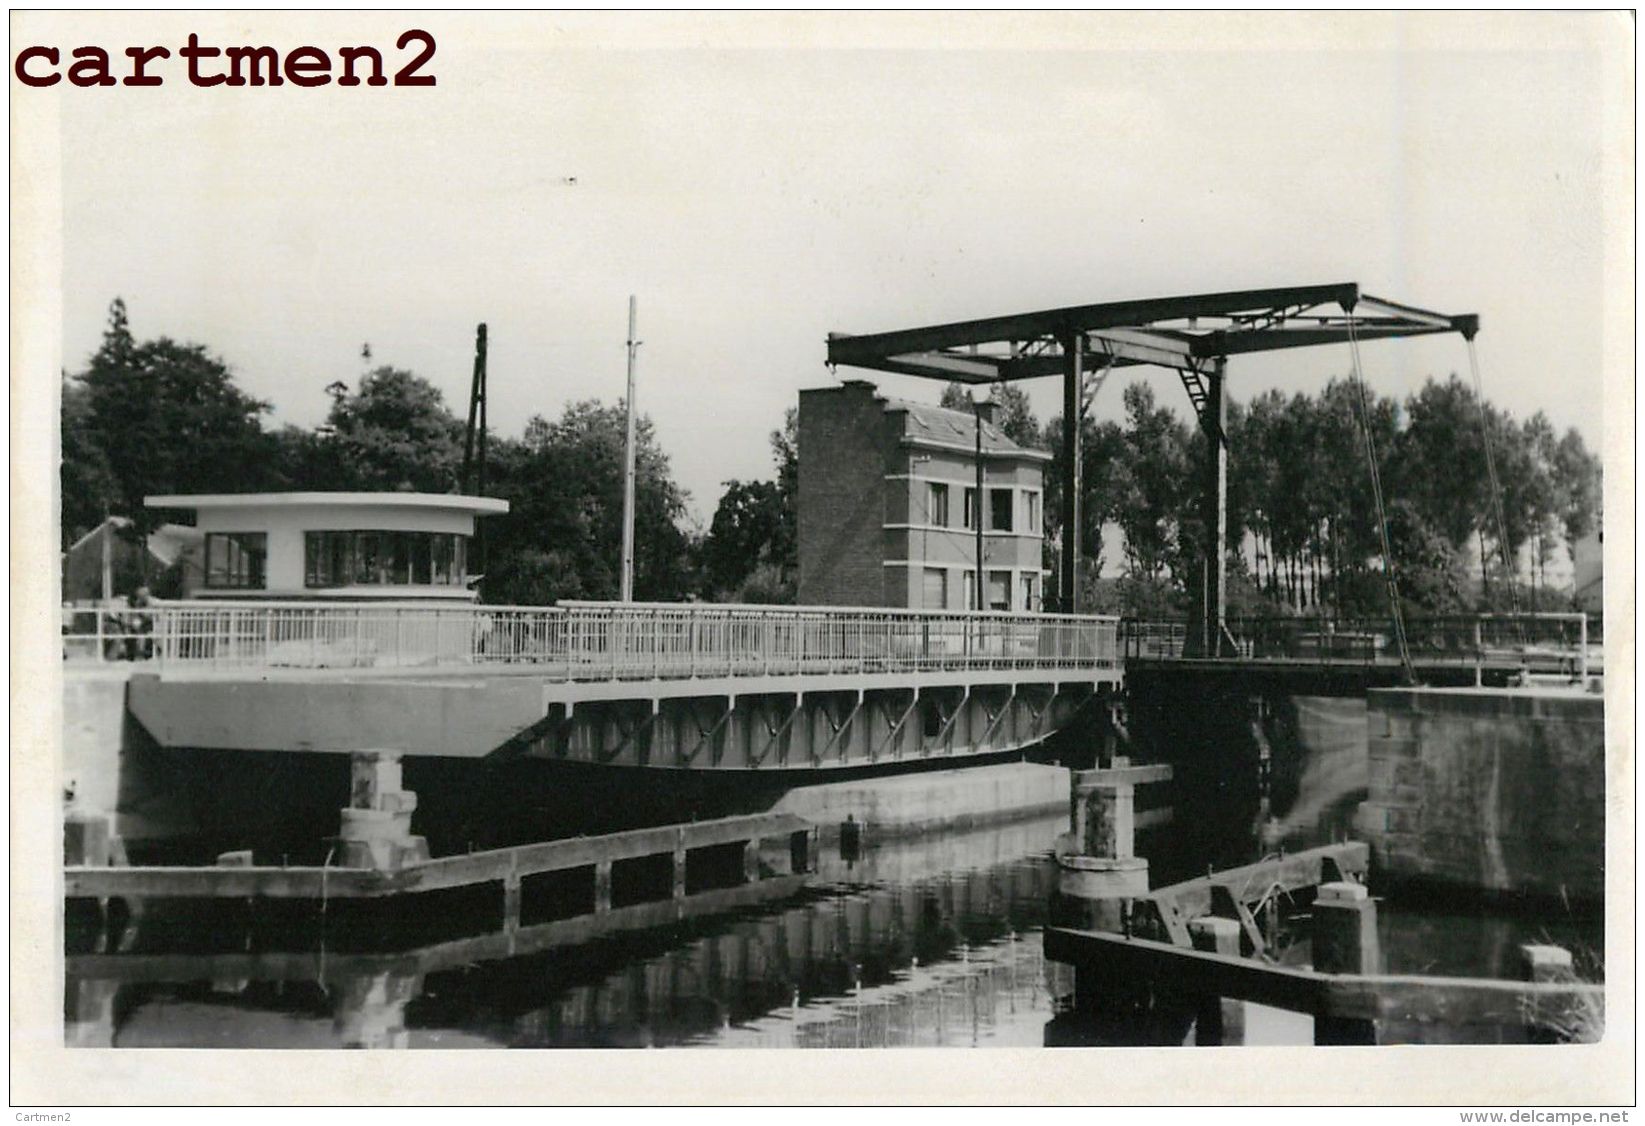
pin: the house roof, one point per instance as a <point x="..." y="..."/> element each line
<point x="926" y="424"/>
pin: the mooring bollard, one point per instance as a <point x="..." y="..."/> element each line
<point x="1542" y="963"/>
<point x="1345" y="942"/>
<point x="1216" y="1021"/>
<point x="1345" y="930"/>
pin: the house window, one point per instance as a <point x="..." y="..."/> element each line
<point x="1028" y="601"/>
<point x="937" y="506"/>
<point x="970" y="590"/>
<point x="970" y="508"/>
<point x="236" y="560"/>
<point x="999" y="590"/>
<point x="999" y="509"/>
<point x="934" y="595"/>
<point x="375" y="558"/>
<point x="1031" y="510"/>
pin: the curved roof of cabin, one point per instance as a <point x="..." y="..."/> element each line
<point x="450" y="501"/>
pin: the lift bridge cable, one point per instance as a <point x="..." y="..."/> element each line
<point x="1376" y="495"/>
<point x="1496" y="484"/>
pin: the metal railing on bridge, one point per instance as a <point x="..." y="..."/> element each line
<point x="1544" y="642"/>
<point x="589" y="640"/>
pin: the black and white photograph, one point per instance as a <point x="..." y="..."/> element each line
<point x="1073" y="540"/>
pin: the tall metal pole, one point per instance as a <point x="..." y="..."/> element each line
<point x="1214" y="421"/>
<point x="1073" y="347"/>
<point x="476" y="416"/>
<point x="628" y="467"/>
<point x="976" y="512"/>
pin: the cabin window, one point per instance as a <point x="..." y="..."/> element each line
<point x="236" y="560"/>
<point x="380" y="558"/>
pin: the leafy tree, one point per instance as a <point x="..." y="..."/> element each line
<point x="751" y="552"/>
<point x="562" y="537"/>
<point x="784" y="551"/>
<point x="766" y="585"/>
<point x="394" y="433"/>
<point x="1441" y="460"/>
<point x="1428" y="568"/>
<point x="1162" y="501"/>
<point x="89" y="488"/>
<point x="1580" y="497"/>
<point x="164" y="417"/>
<point x="746" y="533"/>
<point x="1106" y="489"/>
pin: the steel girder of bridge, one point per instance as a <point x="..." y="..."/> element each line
<point x="773" y="723"/>
<point x="1192" y="335"/>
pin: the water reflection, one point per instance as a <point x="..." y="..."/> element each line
<point x="934" y="941"/>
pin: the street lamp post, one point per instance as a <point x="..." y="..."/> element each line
<point x="976" y="407"/>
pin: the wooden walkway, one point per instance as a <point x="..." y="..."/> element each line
<point x="1115" y="959"/>
<point x="507" y="866"/>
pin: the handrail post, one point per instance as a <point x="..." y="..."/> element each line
<point x="1583" y="658"/>
<point x="1479" y="651"/>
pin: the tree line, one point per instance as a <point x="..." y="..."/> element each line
<point x="1302" y="520"/>
<point x="159" y="416"/>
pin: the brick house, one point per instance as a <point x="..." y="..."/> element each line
<point x="887" y="503"/>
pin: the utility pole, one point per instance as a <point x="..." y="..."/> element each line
<point x="476" y="418"/>
<point x="628" y="467"/>
<point x="103" y="534"/>
<point x="976" y="407"/>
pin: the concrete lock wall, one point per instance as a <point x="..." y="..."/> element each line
<point x="1500" y="791"/>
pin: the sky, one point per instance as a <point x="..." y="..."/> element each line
<point x="760" y="182"/>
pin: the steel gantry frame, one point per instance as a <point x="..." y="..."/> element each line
<point x="1193" y="335"/>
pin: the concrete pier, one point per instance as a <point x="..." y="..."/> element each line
<point x="376" y="826"/>
<point x="1098" y="870"/>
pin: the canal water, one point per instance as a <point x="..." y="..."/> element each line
<point x="928" y="942"/>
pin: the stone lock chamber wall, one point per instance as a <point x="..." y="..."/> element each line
<point x="1496" y="791"/>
